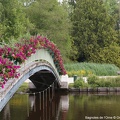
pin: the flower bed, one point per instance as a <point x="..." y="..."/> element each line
<point x="9" y="57"/>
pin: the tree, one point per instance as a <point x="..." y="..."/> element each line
<point x="13" y="20"/>
<point x="1" y="25"/>
<point x="72" y="2"/>
<point x="93" y="28"/>
<point x="51" y="19"/>
<point x="113" y="8"/>
<point x="109" y="54"/>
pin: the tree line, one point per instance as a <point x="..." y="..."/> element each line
<point x="83" y="30"/>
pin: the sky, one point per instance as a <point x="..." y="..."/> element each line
<point x="60" y="0"/>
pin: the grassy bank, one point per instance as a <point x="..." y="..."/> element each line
<point x="85" y="69"/>
<point x="94" y="81"/>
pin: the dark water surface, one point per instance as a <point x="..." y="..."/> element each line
<point x="70" y="106"/>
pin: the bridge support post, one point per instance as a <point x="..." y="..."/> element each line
<point x="49" y="93"/>
<point x="46" y="97"/>
<point x="40" y="99"/>
<point x="52" y="90"/>
<point x="43" y="100"/>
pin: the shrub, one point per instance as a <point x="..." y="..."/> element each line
<point x="92" y="79"/>
<point x="71" y="85"/>
<point x="103" y="82"/>
<point x="80" y="83"/>
<point x="107" y="83"/>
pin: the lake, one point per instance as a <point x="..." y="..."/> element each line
<point x="67" y="106"/>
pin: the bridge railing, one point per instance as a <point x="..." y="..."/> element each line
<point x="41" y="54"/>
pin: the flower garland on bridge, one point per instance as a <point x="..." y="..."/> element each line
<point x="7" y="70"/>
<point x="9" y="57"/>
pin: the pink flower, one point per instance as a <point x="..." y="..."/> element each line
<point x="2" y="85"/>
<point x="23" y="50"/>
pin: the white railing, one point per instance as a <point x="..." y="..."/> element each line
<point x="41" y="54"/>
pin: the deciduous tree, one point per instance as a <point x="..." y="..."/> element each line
<point x="13" y="20"/>
<point x="51" y="19"/>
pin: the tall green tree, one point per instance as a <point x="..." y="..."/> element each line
<point x="51" y="19"/>
<point x="13" y="20"/>
<point x="113" y="8"/>
<point x="93" y="28"/>
<point x="1" y="25"/>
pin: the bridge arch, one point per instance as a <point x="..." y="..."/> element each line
<point x="43" y="77"/>
<point x="40" y="68"/>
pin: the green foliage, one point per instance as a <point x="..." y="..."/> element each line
<point x="108" y="82"/>
<point x="80" y="83"/>
<point x="85" y="69"/>
<point x="89" y="38"/>
<point x="93" y="28"/>
<point x="71" y="85"/>
<point x="111" y="6"/>
<point x="92" y="79"/>
<point x="13" y="20"/>
<point x="52" y="20"/>
<point x="110" y="54"/>
<point x="95" y="81"/>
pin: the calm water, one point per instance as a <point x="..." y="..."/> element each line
<point x="63" y="107"/>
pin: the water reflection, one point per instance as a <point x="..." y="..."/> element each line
<point x="90" y="105"/>
<point x="7" y="112"/>
<point x="61" y="107"/>
<point x="48" y="109"/>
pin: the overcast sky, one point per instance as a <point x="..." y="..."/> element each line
<point x="59" y="0"/>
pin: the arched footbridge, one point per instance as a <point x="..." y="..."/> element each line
<point x="40" y="68"/>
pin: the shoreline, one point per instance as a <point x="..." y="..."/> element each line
<point x="24" y="88"/>
<point x="98" y="89"/>
<point x="78" y="90"/>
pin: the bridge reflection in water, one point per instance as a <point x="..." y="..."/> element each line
<point x="40" y="106"/>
